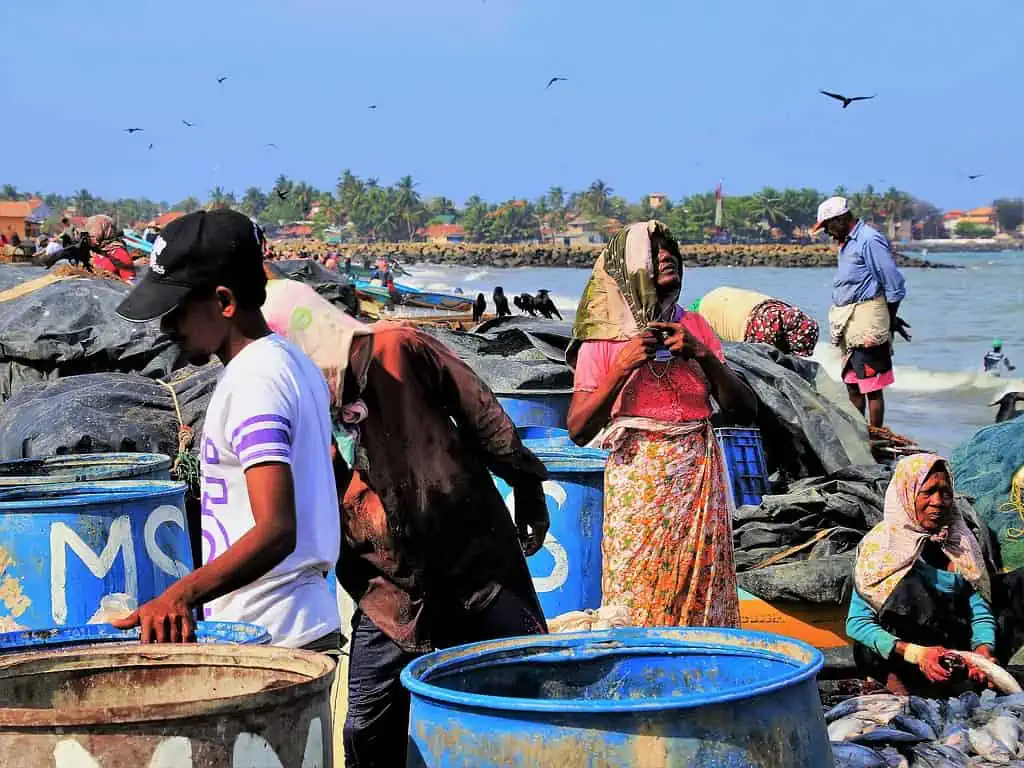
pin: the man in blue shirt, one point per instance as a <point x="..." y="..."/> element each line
<point x="866" y="295"/>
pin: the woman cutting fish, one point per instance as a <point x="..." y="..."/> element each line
<point x="922" y="588"/>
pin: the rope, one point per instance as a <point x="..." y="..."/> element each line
<point x="186" y="465"/>
<point x="1016" y="503"/>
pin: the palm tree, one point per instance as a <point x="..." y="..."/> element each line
<point x="254" y="202"/>
<point x="596" y="198"/>
<point x="895" y="206"/>
<point x="408" y="204"/>
<point x="767" y="210"/>
<point x="10" y="192"/>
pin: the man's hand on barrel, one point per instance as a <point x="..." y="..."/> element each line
<point x="164" y="619"/>
<point x="531" y="517"/>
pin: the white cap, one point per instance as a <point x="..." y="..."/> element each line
<point x="834" y="206"/>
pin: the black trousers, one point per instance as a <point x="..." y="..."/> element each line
<point x="377" y="727"/>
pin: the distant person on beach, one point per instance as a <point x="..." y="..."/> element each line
<point x="479" y="307"/>
<point x="996" y="360"/>
<point x="542" y="303"/>
<point x="68" y="228"/>
<point x="430" y="552"/>
<point x="736" y="314"/>
<point x="269" y="501"/>
<point x="645" y="373"/>
<point x="501" y="303"/>
<point x="866" y="295"/>
<point x="109" y="251"/>
<point x="348" y="265"/>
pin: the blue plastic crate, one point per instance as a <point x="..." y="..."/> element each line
<point x="744" y="459"/>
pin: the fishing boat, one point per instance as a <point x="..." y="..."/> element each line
<point x="408" y="296"/>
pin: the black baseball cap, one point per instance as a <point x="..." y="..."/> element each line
<point x="197" y="251"/>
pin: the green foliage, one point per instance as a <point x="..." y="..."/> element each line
<point x="970" y="229"/>
<point x="1009" y="213"/>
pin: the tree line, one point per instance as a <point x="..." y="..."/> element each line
<point x="364" y="209"/>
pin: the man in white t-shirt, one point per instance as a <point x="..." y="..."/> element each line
<point x="271" y="530"/>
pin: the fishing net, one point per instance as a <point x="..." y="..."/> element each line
<point x="987" y="468"/>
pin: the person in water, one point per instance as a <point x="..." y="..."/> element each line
<point x="645" y="373"/>
<point x="996" y="360"/>
<point x="866" y="295"/>
<point x="736" y="314"/>
<point x="921" y="586"/>
<point x="501" y="307"/>
<point x="430" y="552"/>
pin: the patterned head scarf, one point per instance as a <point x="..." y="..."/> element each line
<point x="892" y="547"/>
<point x="103" y="234"/>
<point x="621" y="297"/>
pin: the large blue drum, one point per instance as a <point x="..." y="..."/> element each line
<point x="537" y="408"/>
<point x="700" y="698"/>
<point x="85" y="468"/>
<point x="567" y="571"/>
<point x="64" y="547"/>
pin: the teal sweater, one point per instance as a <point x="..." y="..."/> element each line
<point x="862" y="622"/>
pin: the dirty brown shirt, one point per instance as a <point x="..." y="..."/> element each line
<point x="427" y="536"/>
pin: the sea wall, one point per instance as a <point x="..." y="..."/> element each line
<point x="521" y="255"/>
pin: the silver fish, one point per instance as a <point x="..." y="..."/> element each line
<point x="1006" y="729"/>
<point x="914" y="726"/>
<point x="956" y="736"/>
<point x="884" y="735"/>
<point x="928" y="710"/>
<point x="937" y="756"/>
<point x="849" y="755"/>
<point x="844" y="728"/>
<point x="872" y="703"/>
<point x="998" y="676"/>
<point x="986" y="746"/>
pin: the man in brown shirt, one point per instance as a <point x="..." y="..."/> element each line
<point x="430" y="553"/>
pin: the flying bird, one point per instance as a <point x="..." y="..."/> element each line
<point x="151" y="146"/>
<point x="282" y="195"/>
<point x="554" y="80"/>
<point x="847" y="100"/>
<point x="271" y="145"/>
<point x="187" y="124"/>
<point x="220" y="80"/>
<point x="372" y="106"/>
<point x="973" y="176"/>
<point x="134" y="130"/>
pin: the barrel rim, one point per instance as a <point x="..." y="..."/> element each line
<point x="317" y="666"/>
<point x="144" y="458"/>
<point x="740" y="642"/>
<point x="26" y="640"/>
<point x="59" y="495"/>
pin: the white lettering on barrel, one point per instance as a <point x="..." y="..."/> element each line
<point x="175" y="752"/>
<point x="164" y="514"/>
<point x="253" y="751"/>
<point x="62" y="538"/>
<point x="70" y="754"/>
<point x="560" y="572"/>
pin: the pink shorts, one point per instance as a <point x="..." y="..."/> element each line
<point x="872" y="384"/>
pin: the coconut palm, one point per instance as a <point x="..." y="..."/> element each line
<point x="767" y="210"/>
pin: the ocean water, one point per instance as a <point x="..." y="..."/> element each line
<point x="940" y="398"/>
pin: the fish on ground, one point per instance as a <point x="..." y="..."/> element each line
<point x="937" y="756"/>
<point x="848" y="727"/>
<point x="885" y="735"/>
<point x="986" y="746"/>
<point x="893" y="759"/>
<point x="914" y="726"/>
<point x="928" y="710"/>
<point x="847" y="755"/>
<point x="1006" y="730"/>
<point x="872" y="706"/>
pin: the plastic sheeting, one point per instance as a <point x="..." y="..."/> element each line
<point x="104" y="412"/>
<point x="70" y="327"/>
<point x="333" y="286"/>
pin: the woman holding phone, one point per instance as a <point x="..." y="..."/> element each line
<point x="646" y="371"/>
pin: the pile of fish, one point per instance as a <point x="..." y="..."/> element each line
<point x="886" y="731"/>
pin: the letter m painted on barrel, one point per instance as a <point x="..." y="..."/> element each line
<point x="63" y="538"/>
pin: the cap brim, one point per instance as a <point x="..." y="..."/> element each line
<point x="151" y="300"/>
<point x="817" y="227"/>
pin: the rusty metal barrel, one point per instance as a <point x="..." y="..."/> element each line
<point x="193" y="706"/>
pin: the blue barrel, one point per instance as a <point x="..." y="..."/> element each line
<point x="567" y="571"/>
<point x="97" y="634"/>
<point x="545" y="438"/>
<point x="700" y="698"/>
<point x="539" y="407"/>
<point x="85" y="468"/>
<point x="64" y="547"/>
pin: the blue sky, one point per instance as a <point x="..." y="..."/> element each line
<point x="663" y="95"/>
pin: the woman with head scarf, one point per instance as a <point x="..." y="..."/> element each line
<point x="109" y="251"/>
<point x="922" y="587"/>
<point x="646" y="371"/>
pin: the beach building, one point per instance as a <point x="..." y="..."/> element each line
<point x="443" y="233"/>
<point x="19" y="217"/>
<point x="164" y="219"/>
<point x="581" y="231"/>
<point x="982" y="217"/>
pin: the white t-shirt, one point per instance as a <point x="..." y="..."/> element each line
<point x="272" y="405"/>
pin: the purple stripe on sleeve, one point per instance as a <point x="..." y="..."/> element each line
<point x="263" y="437"/>
<point x="273" y="418"/>
<point x="275" y="453"/>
